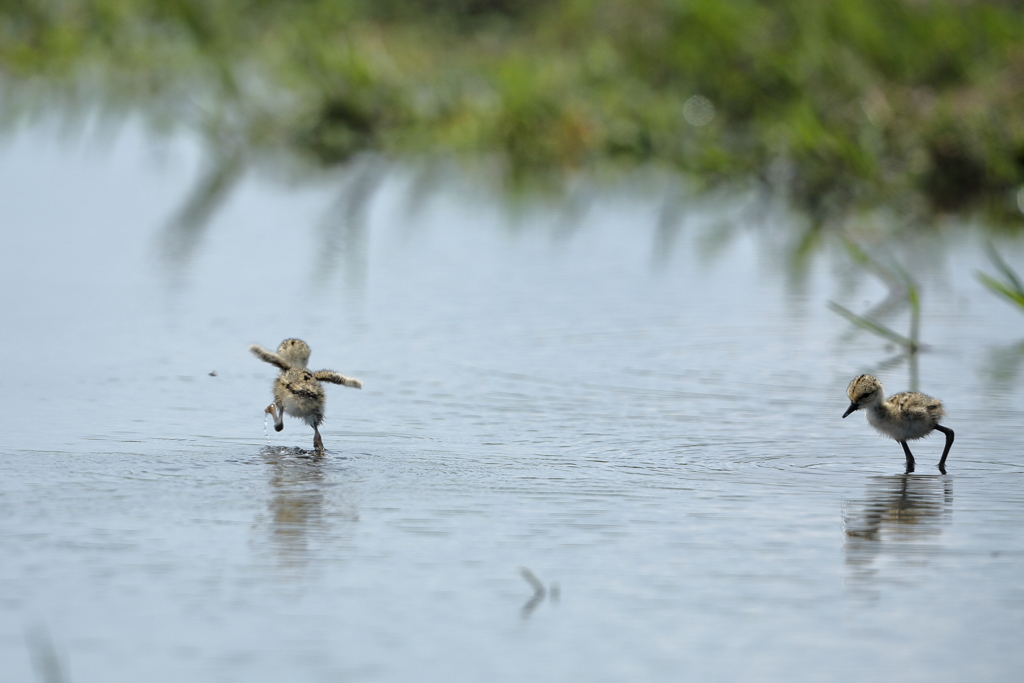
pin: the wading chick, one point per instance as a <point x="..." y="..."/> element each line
<point x="297" y="391"/>
<point x="904" y="417"/>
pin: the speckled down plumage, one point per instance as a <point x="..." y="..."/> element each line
<point x="903" y="417"/>
<point x="297" y="390"/>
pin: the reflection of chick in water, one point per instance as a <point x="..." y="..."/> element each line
<point x="902" y="505"/>
<point x="297" y="391"/>
<point x="898" y="520"/>
<point x="297" y="504"/>
<point x="308" y="511"/>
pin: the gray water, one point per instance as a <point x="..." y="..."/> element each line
<point x="593" y="444"/>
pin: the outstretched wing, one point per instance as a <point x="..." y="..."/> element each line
<point x="269" y="357"/>
<point x="334" y="378"/>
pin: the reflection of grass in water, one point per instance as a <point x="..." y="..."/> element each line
<point x="902" y="291"/>
<point x="1010" y="287"/>
<point x="908" y="343"/>
<point x="185" y="231"/>
<point x="1005" y="363"/>
<point x="45" y="657"/>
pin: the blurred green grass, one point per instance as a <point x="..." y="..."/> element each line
<point x="914" y="104"/>
<point x="1010" y="287"/>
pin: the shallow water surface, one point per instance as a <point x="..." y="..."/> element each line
<point x="587" y="447"/>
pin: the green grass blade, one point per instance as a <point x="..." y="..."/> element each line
<point x="1002" y="289"/>
<point x="862" y="258"/>
<point x="914" y="300"/>
<point x="857" y="254"/>
<point x="915" y="312"/>
<point x="1005" y="269"/>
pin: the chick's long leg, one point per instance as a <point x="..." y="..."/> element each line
<point x="278" y="418"/>
<point x="949" y="444"/>
<point x="318" y="443"/>
<point x="910" y="456"/>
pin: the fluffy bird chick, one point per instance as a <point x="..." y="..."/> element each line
<point x="905" y="416"/>
<point x="297" y="391"/>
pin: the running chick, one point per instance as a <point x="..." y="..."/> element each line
<point x="904" y="417"/>
<point x="297" y="391"/>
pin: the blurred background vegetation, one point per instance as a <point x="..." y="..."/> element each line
<point x="912" y="104"/>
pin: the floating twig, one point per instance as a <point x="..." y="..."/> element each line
<point x="539" y="591"/>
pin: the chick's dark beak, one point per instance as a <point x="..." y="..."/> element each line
<point x="853" y="407"/>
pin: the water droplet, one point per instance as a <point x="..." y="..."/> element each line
<point x="698" y="110"/>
